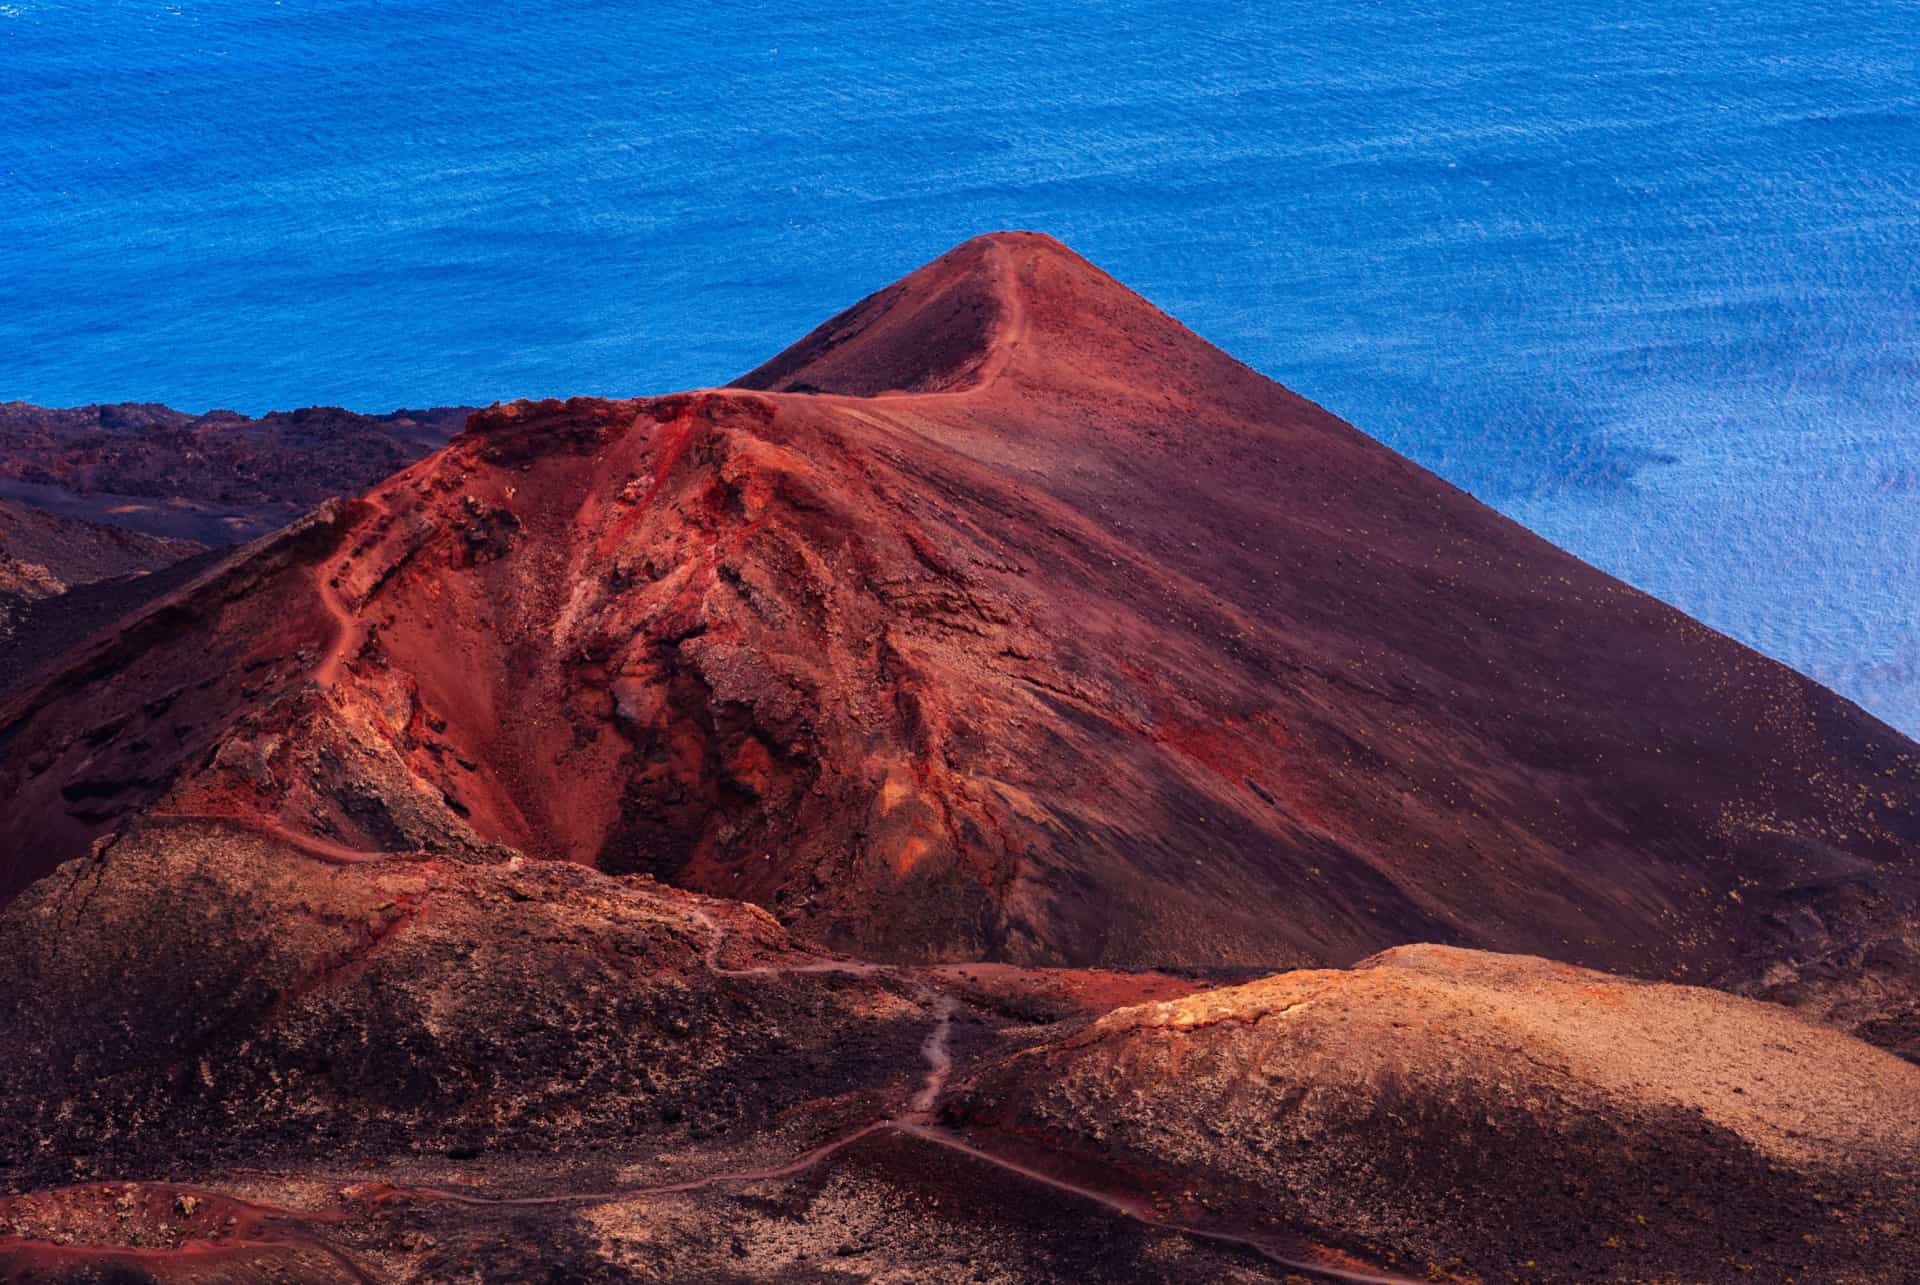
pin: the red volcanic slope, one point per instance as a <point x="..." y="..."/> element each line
<point x="1002" y="617"/>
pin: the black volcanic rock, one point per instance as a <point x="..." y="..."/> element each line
<point x="45" y="559"/>
<point x="43" y="554"/>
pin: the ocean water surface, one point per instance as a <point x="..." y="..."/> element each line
<point x="1642" y="275"/>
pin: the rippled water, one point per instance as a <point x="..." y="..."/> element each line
<point x="1642" y="275"/>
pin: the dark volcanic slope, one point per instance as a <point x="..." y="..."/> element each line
<point x="217" y="478"/>
<point x="1092" y="645"/>
<point x="42" y="554"/>
<point x="44" y="558"/>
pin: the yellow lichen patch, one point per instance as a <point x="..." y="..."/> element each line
<point x="1208" y="1009"/>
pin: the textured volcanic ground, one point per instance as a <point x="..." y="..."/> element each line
<point x="594" y="851"/>
<point x="1453" y="1108"/>
<point x="216" y="478"/>
<point x="44" y="555"/>
<point x="95" y="500"/>
<point x="312" y="1064"/>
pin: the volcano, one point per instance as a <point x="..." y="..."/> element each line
<point x="999" y="618"/>
<point x="999" y="655"/>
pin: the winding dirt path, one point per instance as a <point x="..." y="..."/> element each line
<point x="916" y="1122"/>
<point x="796" y="1166"/>
<point x="933" y="1050"/>
<point x="45" y="1259"/>
<point x="351" y="634"/>
<point x="937" y="1054"/>
<point x="1139" y="1212"/>
<point x="717" y="941"/>
<point x="306" y="845"/>
<point x="254" y="1229"/>
<point x="1010" y="332"/>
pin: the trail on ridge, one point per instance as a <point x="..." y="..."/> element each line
<point x="917" y="1121"/>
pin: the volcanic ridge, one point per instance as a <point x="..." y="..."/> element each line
<point x="1000" y="792"/>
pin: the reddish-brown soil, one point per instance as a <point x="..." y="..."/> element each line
<point x="598" y="851"/>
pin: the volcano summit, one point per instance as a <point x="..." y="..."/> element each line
<point x="785" y="831"/>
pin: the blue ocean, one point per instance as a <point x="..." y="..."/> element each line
<point x="1642" y="275"/>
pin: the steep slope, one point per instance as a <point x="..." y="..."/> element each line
<point x="1098" y="646"/>
<point x="58" y="553"/>
<point x="43" y="633"/>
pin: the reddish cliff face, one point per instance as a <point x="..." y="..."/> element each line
<point x="1035" y="629"/>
